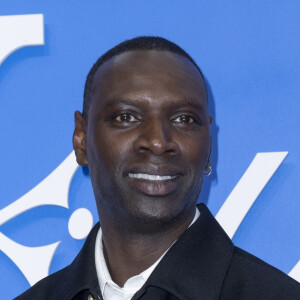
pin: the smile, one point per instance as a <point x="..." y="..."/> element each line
<point x="150" y="177"/>
<point x="153" y="185"/>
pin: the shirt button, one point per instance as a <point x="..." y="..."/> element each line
<point x="90" y="297"/>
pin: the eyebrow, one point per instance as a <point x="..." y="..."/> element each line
<point x="190" y="102"/>
<point x="117" y="101"/>
<point x="182" y="103"/>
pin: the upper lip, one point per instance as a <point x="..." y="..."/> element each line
<point x="161" y="170"/>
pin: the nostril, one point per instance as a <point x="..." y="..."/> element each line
<point x="143" y="149"/>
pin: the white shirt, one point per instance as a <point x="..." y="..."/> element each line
<point x="110" y="290"/>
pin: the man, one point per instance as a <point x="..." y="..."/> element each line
<point x="144" y="133"/>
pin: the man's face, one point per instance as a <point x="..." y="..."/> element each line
<point x="148" y="136"/>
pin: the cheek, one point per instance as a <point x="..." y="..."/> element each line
<point x="108" y="149"/>
<point x="196" y="150"/>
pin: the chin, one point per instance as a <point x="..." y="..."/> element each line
<point x="153" y="211"/>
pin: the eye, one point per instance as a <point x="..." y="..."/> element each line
<point x="184" y="119"/>
<point x="126" y="118"/>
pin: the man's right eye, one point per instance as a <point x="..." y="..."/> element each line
<point x="126" y="118"/>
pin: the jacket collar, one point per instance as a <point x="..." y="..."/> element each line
<point x="193" y="268"/>
<point x="81" y="273"/>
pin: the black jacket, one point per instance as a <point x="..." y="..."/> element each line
<point x="202" y="264"/>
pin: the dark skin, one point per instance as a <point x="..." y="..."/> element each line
<point x="148" y="116"/>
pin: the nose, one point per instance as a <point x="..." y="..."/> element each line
<point x="156" y="137"/>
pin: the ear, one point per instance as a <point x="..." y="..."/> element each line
<point x="79" y="139"/>
<point x="208" y="164"/>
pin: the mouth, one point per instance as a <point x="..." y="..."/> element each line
<point x="154" y="182"/>
<point x="150" y="177"/>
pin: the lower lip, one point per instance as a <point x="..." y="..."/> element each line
<point x="154" y="187"/>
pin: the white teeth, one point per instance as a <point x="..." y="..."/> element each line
<point x="150" y="177"/>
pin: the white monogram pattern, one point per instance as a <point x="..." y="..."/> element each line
<point x="34" y="262"/>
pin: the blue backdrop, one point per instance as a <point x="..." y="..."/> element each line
<point x="249" y="53"/>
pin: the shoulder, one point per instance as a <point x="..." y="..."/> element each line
<point x="79" y="276"/>
<point x="251" y="277"/>
<point x="47" y="287"/>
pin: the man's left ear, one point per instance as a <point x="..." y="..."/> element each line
<point x="208" y="169"/>
<point x="79" y="139"/>
<point x="210" y="121"/>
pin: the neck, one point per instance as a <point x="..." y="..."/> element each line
<point x="128" y="252"/>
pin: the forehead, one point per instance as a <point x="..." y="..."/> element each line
<point x="156" y="76"/>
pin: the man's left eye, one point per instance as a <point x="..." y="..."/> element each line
<point x="185" y="119"/>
